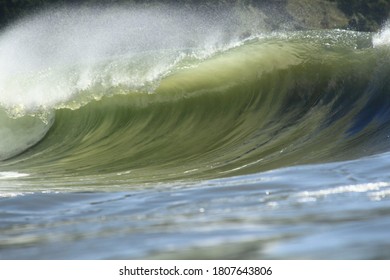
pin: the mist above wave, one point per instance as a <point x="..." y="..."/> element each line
<point x="50" y="57"/>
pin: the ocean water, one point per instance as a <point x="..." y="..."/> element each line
<point x="164" y="133"/>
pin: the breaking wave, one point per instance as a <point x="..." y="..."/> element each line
<point x="159" y="94"/>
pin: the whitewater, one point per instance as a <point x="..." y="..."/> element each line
<point x="157" y="132"/>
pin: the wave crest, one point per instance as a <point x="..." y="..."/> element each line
<point x="54" y="56"/>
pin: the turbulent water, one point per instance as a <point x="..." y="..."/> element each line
<point x="162" y="133"/>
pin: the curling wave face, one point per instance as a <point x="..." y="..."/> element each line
<point x="164" y="100"/>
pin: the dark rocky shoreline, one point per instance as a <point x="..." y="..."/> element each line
<point x="362" y="15"/>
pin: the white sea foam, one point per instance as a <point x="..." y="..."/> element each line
<point x="358" y="188"/>
<point x="383" y="37"/>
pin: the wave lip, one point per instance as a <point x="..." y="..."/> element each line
<point x="56" y="55"/>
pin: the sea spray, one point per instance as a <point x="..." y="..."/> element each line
<point x="51" y="57"/>
<point x="382" y="38"/>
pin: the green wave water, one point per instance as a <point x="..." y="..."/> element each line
<point x="270" y="102"/>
